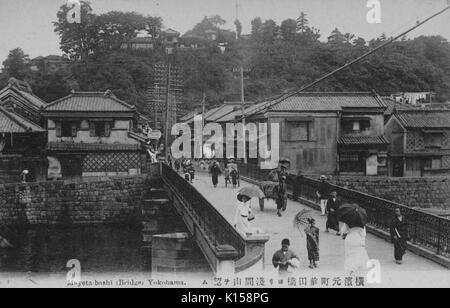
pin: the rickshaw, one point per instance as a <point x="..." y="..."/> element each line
<point x="269" y="187"/>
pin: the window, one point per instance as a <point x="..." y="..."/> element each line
<point x="100" y="129"/>
<point x="66" y="129"/>
<point x="355" y="126"/>
<point x="433" y="163"/>
<point x="433" y="140"/>
<point x="299" y="131"/>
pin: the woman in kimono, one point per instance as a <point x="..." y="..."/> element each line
<point x="399" y="235"/>
<point x="333" y="206"/>
<point x="312" y="243"/>
<point x="243" y="214"/>
<point x="356" y="256"/>
<point x="215" y="172"/>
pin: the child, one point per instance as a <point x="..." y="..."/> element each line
<point x="312" y="243"/>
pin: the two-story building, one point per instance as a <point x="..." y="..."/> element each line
<point x="333" y="133"/>
<point x="19" y="98"/>
<point x="89" y="135"/>
<point x="22" y="136"/>
<point x="420" y="143"/>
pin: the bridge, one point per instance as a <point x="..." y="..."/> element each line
<point x="208" y="215"/>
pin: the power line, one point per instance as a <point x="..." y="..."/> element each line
<point x="390" y="41"/>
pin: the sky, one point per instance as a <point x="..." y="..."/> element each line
<point x="28" y="23"/>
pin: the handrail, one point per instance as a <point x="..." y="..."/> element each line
<point x="217" y="229"/>
<point x="427" y="230"/>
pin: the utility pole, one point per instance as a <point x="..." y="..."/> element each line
<point x="241" y="71"/>
<point x="203" y="119"/>
<point x="167" y="129"/>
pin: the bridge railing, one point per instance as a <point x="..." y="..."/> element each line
<point x="426" y="230"/>
<point x="217" y="229"/>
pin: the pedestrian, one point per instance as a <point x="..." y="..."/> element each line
<point x="281" y="194"/>
<point x="333" y="205"/>
<point x="285" y="258"/>
<point x="234" y="174"/>
<point x="297" y="185"/>
<point x="215" y="171"/>
<point x="244" y="215"/>
<point x="356" y="257"/>
<point x="399" y="235"/>
<point x="177" y="165"/>
<point x="323" y="194"/>
<point x="312" y="243"/>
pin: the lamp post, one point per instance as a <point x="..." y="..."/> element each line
<point x="167" y="129"/>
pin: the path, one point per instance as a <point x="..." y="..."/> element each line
<point x="415" y="272"/>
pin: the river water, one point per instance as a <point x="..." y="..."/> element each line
<point x="99" y="248"/>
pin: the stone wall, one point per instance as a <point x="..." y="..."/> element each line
<point x="425" y="193"/>
<point x="95" y="200"/>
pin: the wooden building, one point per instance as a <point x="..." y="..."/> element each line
<point x="18" y="97"/>
<point x="420" y="143"/>
<point x="332" y="133"/>
<point x="22" y="147"/>
<point x="89" y="135"/>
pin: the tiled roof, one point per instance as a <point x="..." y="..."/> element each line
<point x="89" y="102"/>
<point x="90" y="147"/>
<point x="13" y="123"/>
<point x="359" y="140"/>
<point x="392" y="106"/>
<point x="189" y="116"/>
<point x="231" y="117"/>
<point x="320" y="101"/>
<point x="22" y="89"/>
<point x="424" y="118"/>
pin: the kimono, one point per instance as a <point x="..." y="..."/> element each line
<point x="243" y="211"/>
<point x="356" y="256"/>
<point x="312" y="243"/>
<point x="281" y="256"/>
<point x="333" y="206"/>
<point x="399" y="229"/>
<point x="215" y="172"/>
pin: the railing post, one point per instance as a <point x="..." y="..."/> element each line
<point x="439" y="237"/>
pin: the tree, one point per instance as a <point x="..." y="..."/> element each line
<point x="336" y="37"/>
<point x="117" y="27"/>
<point x="78" y="40"/>
<point x="302" y="23"/>
<point x="269" y="31"/>
<point x="257" y="25"/>
<point x="238" y="25"/>
<point x="288" y="29"/>
<point x="16" y="64"/>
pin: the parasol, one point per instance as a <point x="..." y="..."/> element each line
<point x="353" y="215"/>
<point x="251" y="192"/>
<point x="301" y="220"/>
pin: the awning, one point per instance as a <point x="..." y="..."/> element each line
<point x="361" y="140"/>
<point x="91" y="147"/>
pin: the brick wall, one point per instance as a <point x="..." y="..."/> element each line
<point x="113" y="200"/>
<point x="415" y="192"/>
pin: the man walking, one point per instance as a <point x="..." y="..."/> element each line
<point x="399" y="235"/>
<point x="281" y="193"/>
<point x="323" y="194"/>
